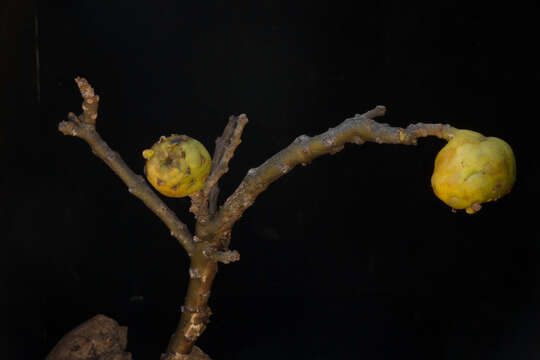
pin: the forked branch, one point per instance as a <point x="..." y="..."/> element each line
<point x="210" y="244"/>
<point x="304" y="149"/>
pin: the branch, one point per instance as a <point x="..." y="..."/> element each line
<point x="225" y="146"/>
<point x="204" y="202"/>
<point x="304" y="149"/>
<point x="83" y="126"/>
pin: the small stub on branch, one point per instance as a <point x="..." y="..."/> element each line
<point x="224" y="257"/>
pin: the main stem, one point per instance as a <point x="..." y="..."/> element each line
<point x="195" y="312"/>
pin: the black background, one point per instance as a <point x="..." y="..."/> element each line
<point x="349" y="257"/>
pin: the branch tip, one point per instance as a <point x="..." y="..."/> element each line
<point x="226" y="144"/>
<point x="84" y="87"/>
<point x="379" y="110"/>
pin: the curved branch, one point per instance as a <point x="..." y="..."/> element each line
<point x="83" y="126"/>
<point x="304" y="149"/>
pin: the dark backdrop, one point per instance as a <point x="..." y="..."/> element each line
<point x="350" y="257"/>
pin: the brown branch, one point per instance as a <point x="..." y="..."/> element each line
<point x="204" y="202"/>
<point x="304" y="149"/>
<point x="83" y="126"/>
<point x="225" y="147"/>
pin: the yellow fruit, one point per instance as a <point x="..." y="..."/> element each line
<point x="177" y="165"/>
<point x="473" y="169"/>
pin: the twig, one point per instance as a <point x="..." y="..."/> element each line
<point x="304" y="149"/>
<point x="225" y="147"/>
<point x="204" y="202"/>
<point x="83" y="126"/>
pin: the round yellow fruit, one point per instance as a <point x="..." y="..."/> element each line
<point x="177" y="165"/>
<point x="473" y="169"/>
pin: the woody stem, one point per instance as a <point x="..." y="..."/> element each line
<point x="195" y="312"/>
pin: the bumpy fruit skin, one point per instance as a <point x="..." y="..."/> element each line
<point x="473" y="169"/>
<point x="177" y="165"/>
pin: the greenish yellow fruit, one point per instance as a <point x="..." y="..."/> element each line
<point x="473" y="169"/>
<point x="177" y="165"/>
